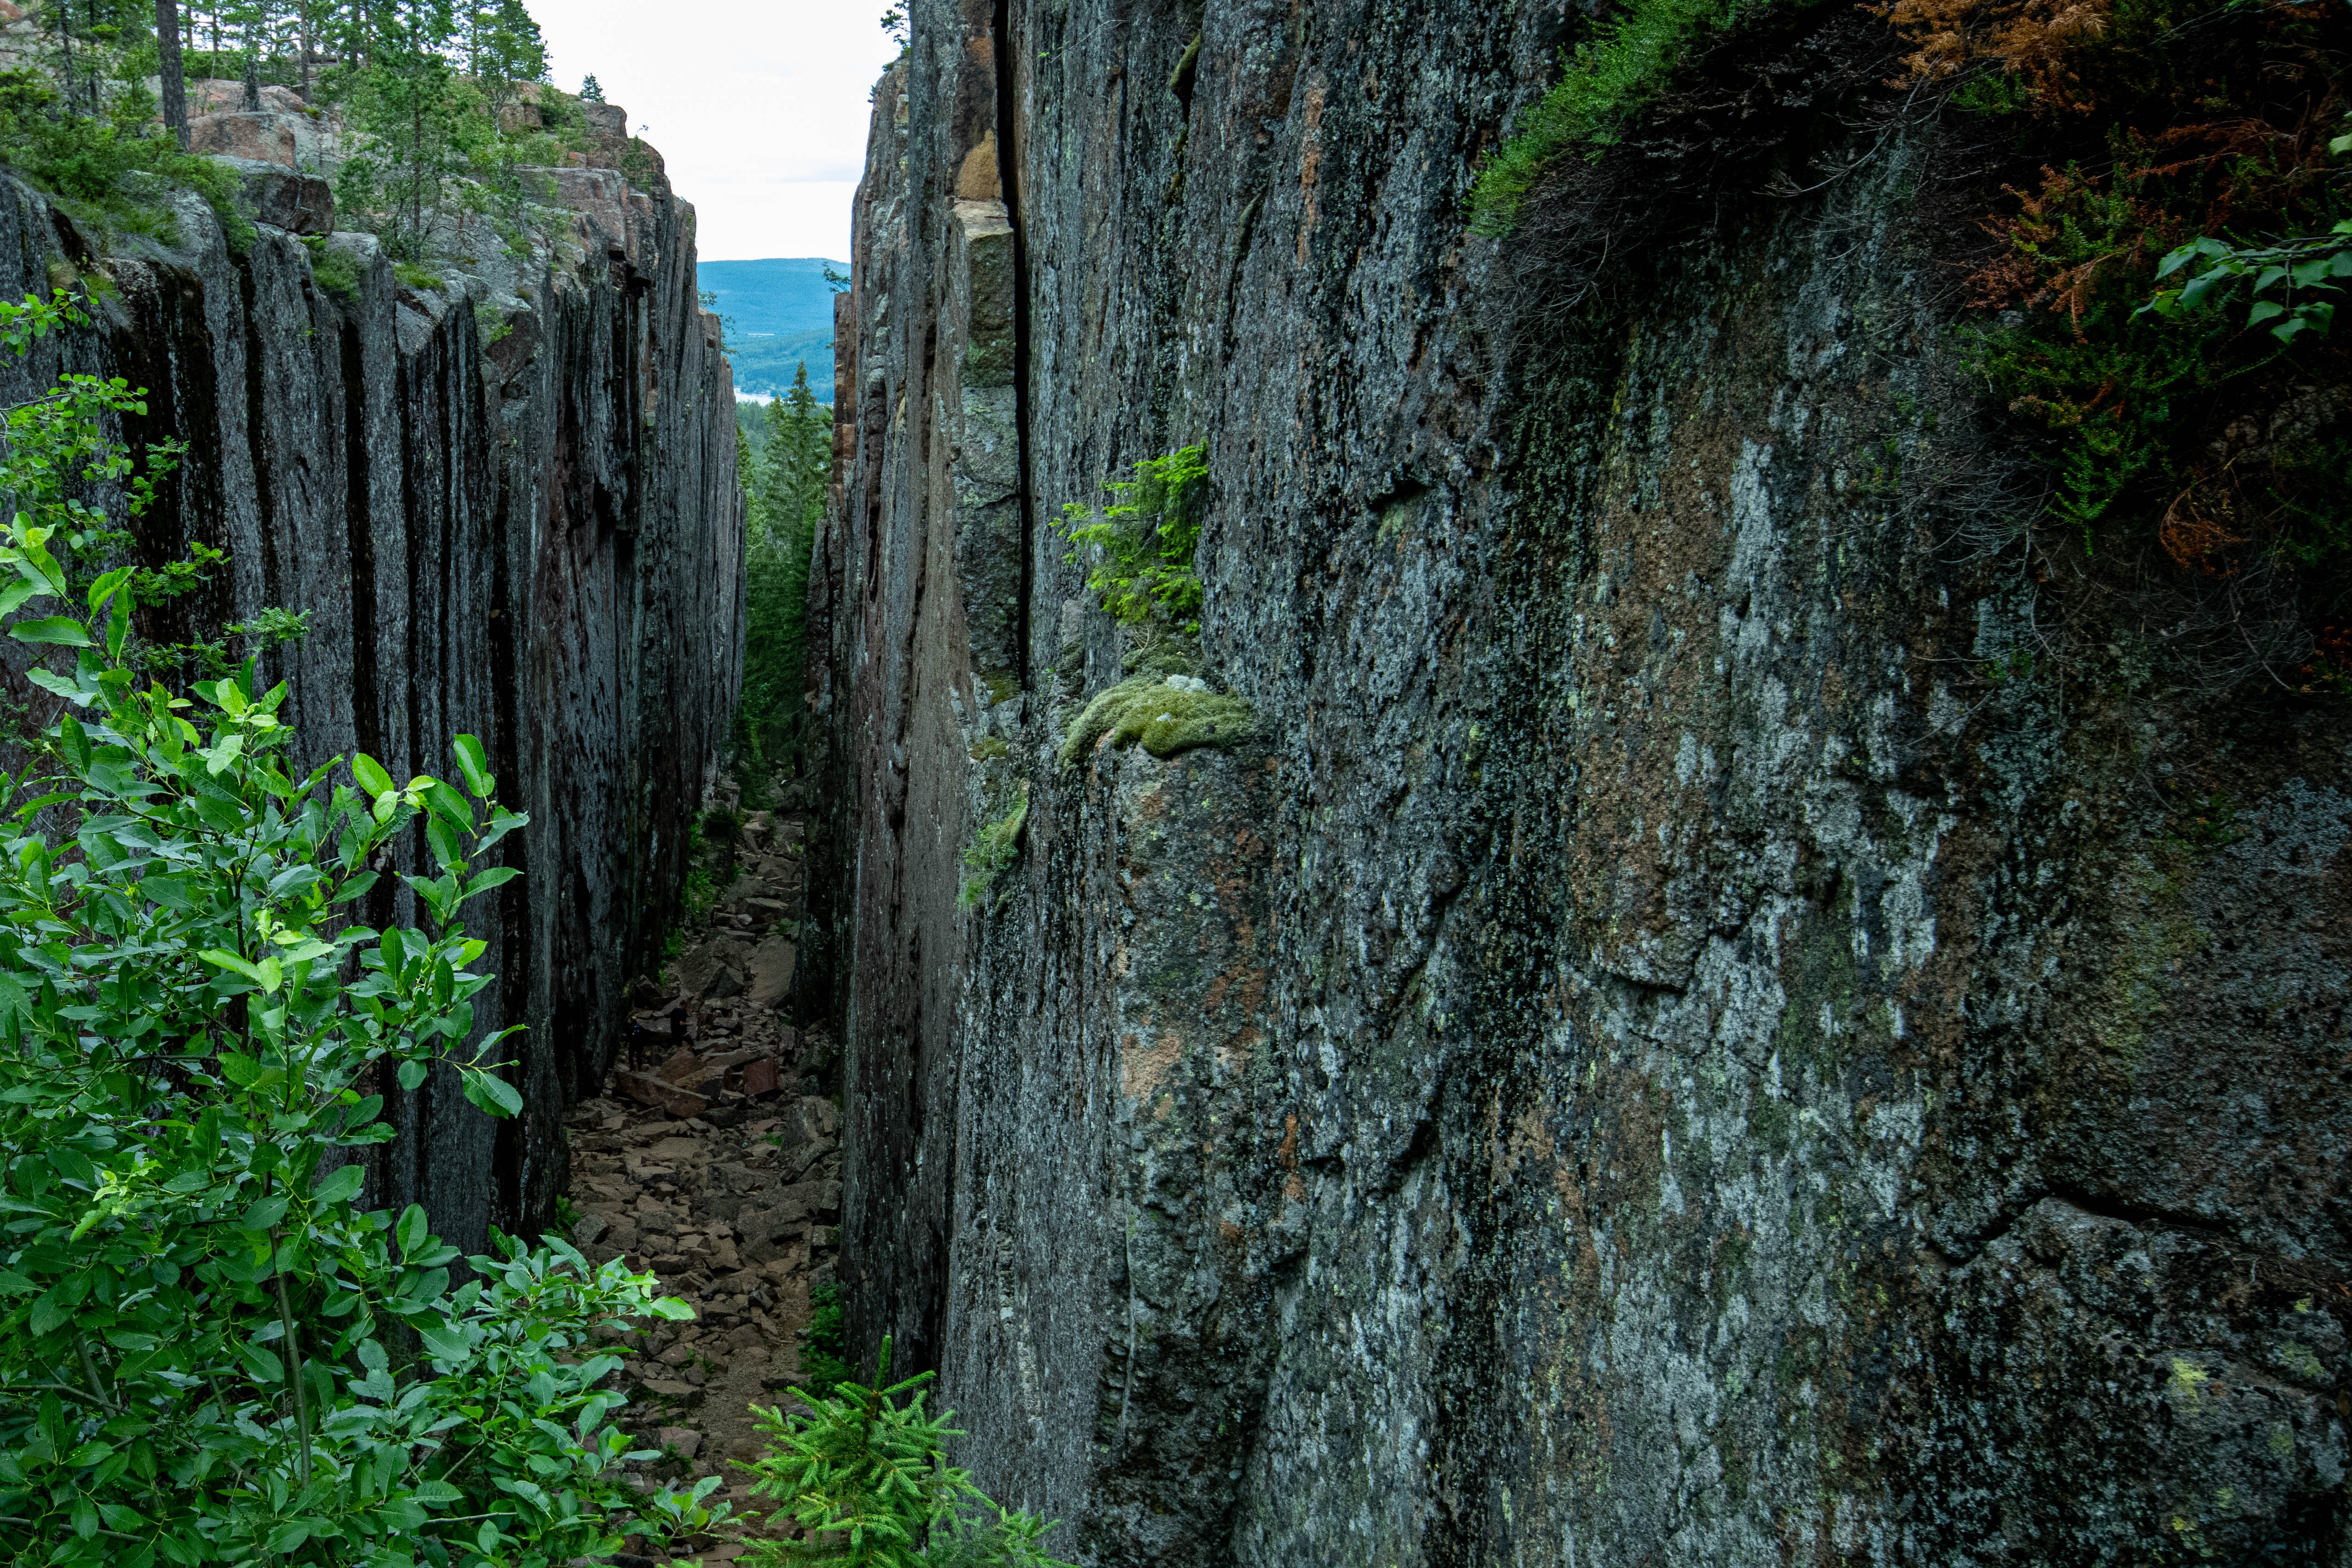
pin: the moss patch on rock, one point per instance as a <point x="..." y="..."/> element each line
<point x="1164" y="715"/>
<point x="997" y="847"/>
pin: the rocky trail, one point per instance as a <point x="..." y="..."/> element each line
<point x="713" y="1159"/>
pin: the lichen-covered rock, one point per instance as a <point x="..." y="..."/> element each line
<point x="1658" y="1048"/>
<point x="543" y="550"/>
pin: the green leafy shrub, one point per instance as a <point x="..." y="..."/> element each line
<point x="864" y="1471"/>
<point x="1164" y="715"/>
<point x="2306" y="273"/>
<point x="209" y="1352"/>
<point x="336" y="271"/>
<point x="2166" y="294"/>
<point x="115" y="172"/>
<point x="1141" y="545"/>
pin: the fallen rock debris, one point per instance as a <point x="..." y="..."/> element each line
<point x="713" y="1159"/>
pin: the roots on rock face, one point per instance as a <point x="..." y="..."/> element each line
<point x="712" y="1158"/>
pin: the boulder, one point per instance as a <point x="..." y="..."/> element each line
<point x="217" y="95"/>
<point x="289" y="139"/>
<point x="284" y="198"/>
<point x="700" y="968"/>
<point x="771" y="971"/>
<point x="649" y="1090"/>
<point x="688" y="1070"/>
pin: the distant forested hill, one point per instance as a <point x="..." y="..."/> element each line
<point x="778" y="316"/>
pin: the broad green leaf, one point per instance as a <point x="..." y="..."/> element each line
<point x="411" y="1073"/>
<point x="107" y="585"/>
<point x="493" y="1095"/>
<point x="449" y="805"/>
<point x="231" y="962"/>
<point x="341" y="1187"/>
<point x="264" y="1213"/>
<point x="496" y="876"/>
<point x="170" y="892"/>
<point x="50" y="1314"/>
<point x="414" y="1230"/>
<point x="59" y="685"/>
<point x="441" y="839"/>
<point x="58" y="631"/>
<point x="356" y="888"/>
<point x="443" y="1343"/>
<point x="475" y="766"/>
<point x="371" y="774"/>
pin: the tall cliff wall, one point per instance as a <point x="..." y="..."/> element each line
<point x="508" y="505"/>
<point x="1652" y="1055"/>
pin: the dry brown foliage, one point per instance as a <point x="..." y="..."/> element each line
<point x="2031" y="39"/>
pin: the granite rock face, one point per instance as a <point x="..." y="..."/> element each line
<point x="1649" y="1054"/>
<point x="509" y="506"/>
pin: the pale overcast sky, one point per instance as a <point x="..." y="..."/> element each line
<point x="759" y="109"/>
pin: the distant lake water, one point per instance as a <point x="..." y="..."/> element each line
<point x="778" y="316"/>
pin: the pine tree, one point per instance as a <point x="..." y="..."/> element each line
<point x="421" y="119"/>
<point x="787" y="488"/>
<point x="590" y="92"/>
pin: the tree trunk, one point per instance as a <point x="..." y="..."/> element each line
<point x="64" y="42"/>
<point x="175" y="82"/>
<point x="252" y="69"/>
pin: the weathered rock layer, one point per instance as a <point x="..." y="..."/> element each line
<point x="509" y="506"/>
<point x="1655" y="1052"/>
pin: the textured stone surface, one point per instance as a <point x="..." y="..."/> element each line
<point x="1652" y="1056"/>
<point x="283" y="198"/>
<point x="537" y="541"/>
<point x="288" y="139"/>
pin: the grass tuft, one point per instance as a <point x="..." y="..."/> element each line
<point x="1610" y="79"/>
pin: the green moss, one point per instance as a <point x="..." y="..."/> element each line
<point x="997" y="847"/>
<point x="416" y="277"/>
<point x="1163" y="718"/>
<point x="992" y="750"/>
<point x="1002" y="685"/>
